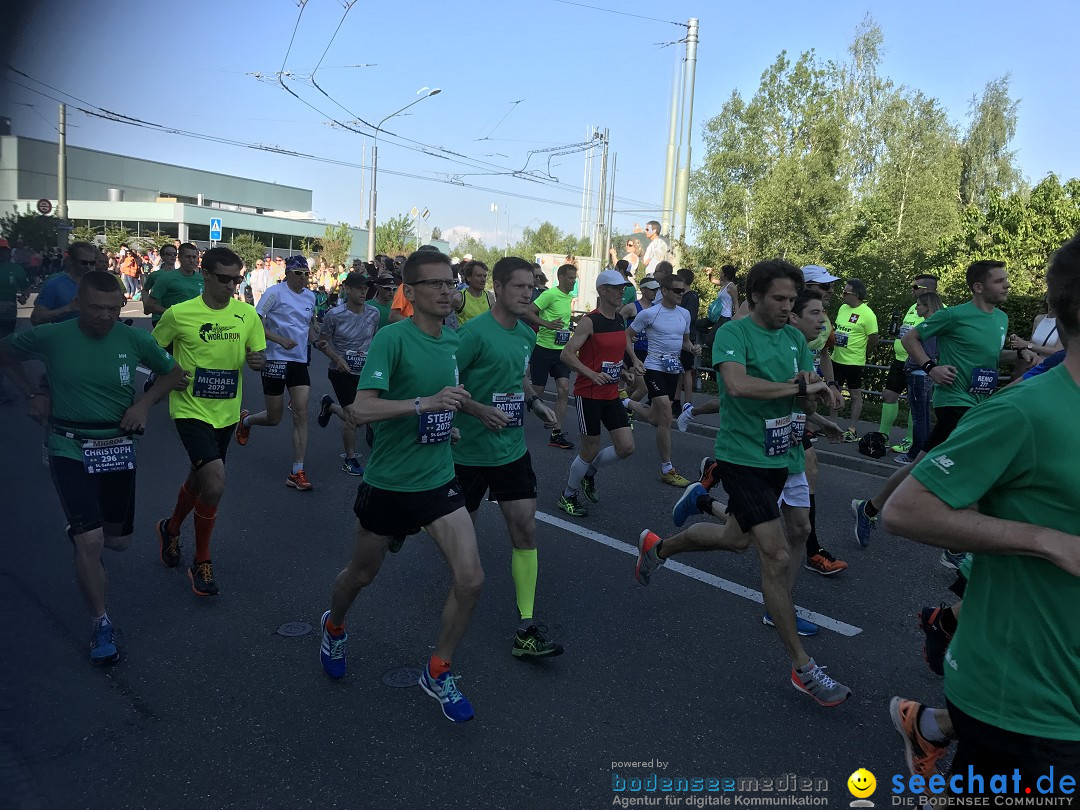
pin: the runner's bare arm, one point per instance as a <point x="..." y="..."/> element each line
<point x="369" y="406"/>
<point x="913" y="511"/>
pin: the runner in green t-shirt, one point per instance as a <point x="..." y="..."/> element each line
<point x="896" y="381"/>
<point x="171" y="286"/>
<point x="492" y="457"/>
<point x="1003" y="485"/>
<point x="410" y="390"/>
<point x="766" y="367"/>
<point x="970" y="340"/>
<point x="551" y="313"/>
<point x="384" y="298"/>
<point x="91" y="413"/>
<point x="212" y="336"/>
<point x="856" y="338"/>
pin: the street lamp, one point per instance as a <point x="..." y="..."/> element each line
<point x="375" y="166"/>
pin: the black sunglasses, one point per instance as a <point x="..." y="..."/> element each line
<point x="87" y="262"/>
<point x="226" y="278"/>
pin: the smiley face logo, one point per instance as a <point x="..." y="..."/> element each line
<point x="862" y="783"/>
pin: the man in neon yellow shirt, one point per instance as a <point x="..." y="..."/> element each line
<point x="856" y="338"/>
<point x="551" y="312"/>
<point x="475" y="299"/>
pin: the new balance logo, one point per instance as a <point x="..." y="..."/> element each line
<point x="943" y="463"/>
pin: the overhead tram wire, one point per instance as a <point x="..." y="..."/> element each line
<point x="97" y="111"/>
<point x="621" y="13"/>
<point x="303" y="5"/>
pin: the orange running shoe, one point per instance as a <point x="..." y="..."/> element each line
<point x="242" y="432"/>
<point x="921" y="754"/>
<point x="299" y="481"/>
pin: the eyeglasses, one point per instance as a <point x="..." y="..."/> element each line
<point x="87" y="262"/>
<point x="917" y="287"/>
<point x="433" y="283"/>
<point x="226" y="278"/>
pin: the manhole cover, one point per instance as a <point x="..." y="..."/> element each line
<point x="293" y="629"/>
<point x="402" y="677"/>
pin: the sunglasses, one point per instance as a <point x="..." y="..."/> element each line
<point x="226" y="278"/>
<point x="917" y="287"/>
<point x="677" y="290"/>
<point x="300" y="272"/>
<point x="87" y="262"/>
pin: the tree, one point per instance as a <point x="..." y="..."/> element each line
<point x="988" y="163"/>
<point x="155" y="239"/>
<point x="33" y="229"/>
<point x="394" y="236"/>
<point x="248" y="248"/>
<point x="84" y="233"/>
<point x="469" y="245"/>
<point x="117" y="237"/>
<point x="436" y="234"/>
<point x="336" y="245"/>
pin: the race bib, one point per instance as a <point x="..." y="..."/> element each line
<point x="215" y="383"/>
<point x="562" y="337"/>
<point x="841" y="339"/>
<point x="798" y="428"/>
<point x="983" y="380"/>
<point x="108" y="455"/>
<point x="671" y="364"/>
<point x="356" y="361"/>
<point x="513" y="405"/>
<point x="903" y="331"/>
<point x="435" y="427"/>
<point x="612" y="370"/>
<point x="777" y="436"/>
<point x="274" y="369"/>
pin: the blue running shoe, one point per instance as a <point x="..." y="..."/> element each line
<point x="103" y="644"/>
<point x="802" y="626"/>
<point x="353" y="466"/>
<point x="332" y="650"/>
<point x="863" y="523"/>
<point x="444" y="689"/>
<point x="687" y="504"/>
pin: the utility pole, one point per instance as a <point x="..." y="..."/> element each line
<point x="611" y="196"/>
<point x="682" y="181"/>
<point x="63" y="228"/>
<point x="598" y="247"/>
<point x="363" y="157"/>
<point x="669" y="164"/>
<point x="586" y="191"/>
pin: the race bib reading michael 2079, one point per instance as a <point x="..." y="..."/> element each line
<point x="215" y="383"/>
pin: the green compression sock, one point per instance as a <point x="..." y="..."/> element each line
<point x="889" y="410"/>
<point x="523" y="568"/>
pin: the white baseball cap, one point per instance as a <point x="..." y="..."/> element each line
<point x="816" y="274"/>
<point x="611" y="278"/>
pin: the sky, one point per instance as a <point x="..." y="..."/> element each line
<point x="514" y="76"/>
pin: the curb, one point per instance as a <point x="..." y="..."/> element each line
<point x="828" y="457"/>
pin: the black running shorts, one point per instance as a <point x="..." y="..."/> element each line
<point x="987" y="750"/>
<point x="398" y="514"/>
<point x="592" y="413"/>
<point x="662" y="384"/>
<point x="546" y="363"/>
<point x="101" y="500"/>
<point x="344" y="386"/>
<point x="897" y="379"/>
<point x="851" y="376"/>
<point x="752" y="492"/>
<point x="296" y="374"/>
<point x="202" y="441"/>
<point x="946" y="419"/>
<point x="514" y="481"/>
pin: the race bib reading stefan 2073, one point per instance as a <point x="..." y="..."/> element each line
<point x="435" y="427"/>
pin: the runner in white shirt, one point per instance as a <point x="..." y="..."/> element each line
<point x="344" y="337"/>
<point x="288" y="313"/>
<point x="668" y="327"/>
<point x="657" y="250"/>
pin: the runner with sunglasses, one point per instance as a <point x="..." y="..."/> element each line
<point x="288" y="313"/>
<point x="212" y="337"/>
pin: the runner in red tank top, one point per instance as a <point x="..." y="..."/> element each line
<point x="597" y="352"/>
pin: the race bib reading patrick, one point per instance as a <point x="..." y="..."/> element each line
<point x="356" y="361"/>
<point x="215" y="383"/>
<point x="777" y="436"/>
<point x="671" y="363"/>
<point x="983" y="380"/>
<point x="562" y="337"/>
<point x="513" y="405"/>
<point x="108" y="455"/>
<point x="798" y="428"/>
<point x="274" y="370"/>
<point x="435" y="427"/>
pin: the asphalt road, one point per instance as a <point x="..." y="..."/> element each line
<point x="210" y="707"/>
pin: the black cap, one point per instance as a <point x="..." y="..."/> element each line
<point x="386" y="281"/>
<point x="355" y="280"/>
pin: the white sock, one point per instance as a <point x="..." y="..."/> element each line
<point x="297" y="467"/>
<point x="666" y="467"/>
<point x="605" y="458"/>
<point x="104" y="617"/>
<point x="247" y="421"/>
<point x="929" y="728"/>
<point x="578" y="470"/>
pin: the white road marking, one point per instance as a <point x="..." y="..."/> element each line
<point x="827" y="622"/>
